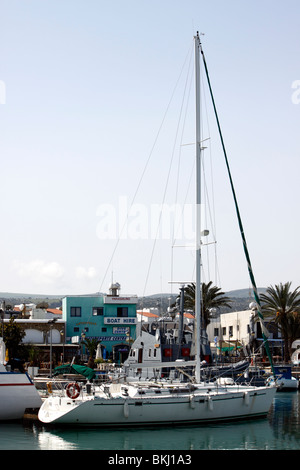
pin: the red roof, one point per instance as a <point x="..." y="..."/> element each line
<point x="189" y="315"/>
<point x="55" y="311"/>
<point x="147" y="314"/>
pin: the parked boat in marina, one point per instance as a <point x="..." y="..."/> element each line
<point x="17" y="391"/>
<point x="283" y="379"/>
<point x="152" y="356"/>
<point x="131" y="405"/>
<point x="152" y="403"/>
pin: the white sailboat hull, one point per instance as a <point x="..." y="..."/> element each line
<point x="17" y="393"/>
<point x="287" y="384"/>
<point x="159" y="408"/>
<point x="290" y="384"/>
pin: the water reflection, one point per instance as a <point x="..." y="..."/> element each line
<point x="249" y="435"/>
<point x="284" y="417"/>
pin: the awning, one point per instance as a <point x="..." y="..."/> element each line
<point x="229" y="345"/>
<point x="75" y="369"/>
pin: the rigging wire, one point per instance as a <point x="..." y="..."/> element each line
<point x="211" y="208"/>
<point x="166" y="186"/>
<point x="246" y="252"/>
<point x="208" y="194"/>
<point x="174" y="233"/>
<point x="142" y="175"/>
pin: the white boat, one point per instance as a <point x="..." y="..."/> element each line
<point x="283" y="378"/>
<point x="17" y="391"/>
<point x="152" y="404"/>
<point x="137" y="404"/>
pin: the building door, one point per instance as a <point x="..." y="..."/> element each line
<point x="140" y="358"/>
<point x="120" y="353"/>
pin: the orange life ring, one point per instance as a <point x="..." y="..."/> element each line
<point x="73" y="390"/>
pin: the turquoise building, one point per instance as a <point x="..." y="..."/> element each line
<point x="109" y="318"/>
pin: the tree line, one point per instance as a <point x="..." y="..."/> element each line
<point x="280" y="305"/>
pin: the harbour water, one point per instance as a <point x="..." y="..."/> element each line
<point x="279" y="431"/>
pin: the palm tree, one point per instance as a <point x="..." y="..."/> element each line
<point x="283" y="305"/>
<point x="91" y="345"/>
<point x="13" y="336"/>
<point x="211" y="298"/>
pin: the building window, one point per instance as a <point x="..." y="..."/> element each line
<point x="216" y="331"/>
<point x="224" y="331"/>
<point x="97" y="311"/>
<point x="122" y="312"/>
<point x="258" y="330"/>
<point x="231" y="331"/>
<point x="104" y="330"/>
<point x="75" y="311"/>
<point x="76" y="329"/>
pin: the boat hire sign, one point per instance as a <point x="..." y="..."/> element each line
<point x="121" y="330"/>
<point x="112" y="338"/>
<point x="120" y="320"/>
<point x="120" y="300"/>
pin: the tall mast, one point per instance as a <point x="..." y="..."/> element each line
<point x="198" y="211"/>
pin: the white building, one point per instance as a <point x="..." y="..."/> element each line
<point x="234" y="326"/>
<point x="147" y="315"/>
<point x="236" y="330"/>
<point x="31" y="312"/>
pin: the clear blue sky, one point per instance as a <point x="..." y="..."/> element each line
<point x="84" y="88"/>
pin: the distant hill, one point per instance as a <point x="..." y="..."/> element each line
<point x="240" y="299"/>
<point x="13" y="295"/>
<point x="12" y="298"/>
<point x="244" y="292"/>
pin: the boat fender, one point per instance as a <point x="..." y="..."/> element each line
<point x="247" y="398"/>
<point x="126" y="409"/>
<point x="49" y="387"/>
<point x="73" y="390"/>
<point x="192" y="401"/>
<point x="210" y="404"/>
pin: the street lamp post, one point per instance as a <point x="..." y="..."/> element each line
<point x="62" y="336"/>
<point x="51" y="323"/>
<point x="83" y="336"/>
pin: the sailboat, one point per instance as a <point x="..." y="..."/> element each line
<point x="158" y="403"/>
<point x="17" y="391"/>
